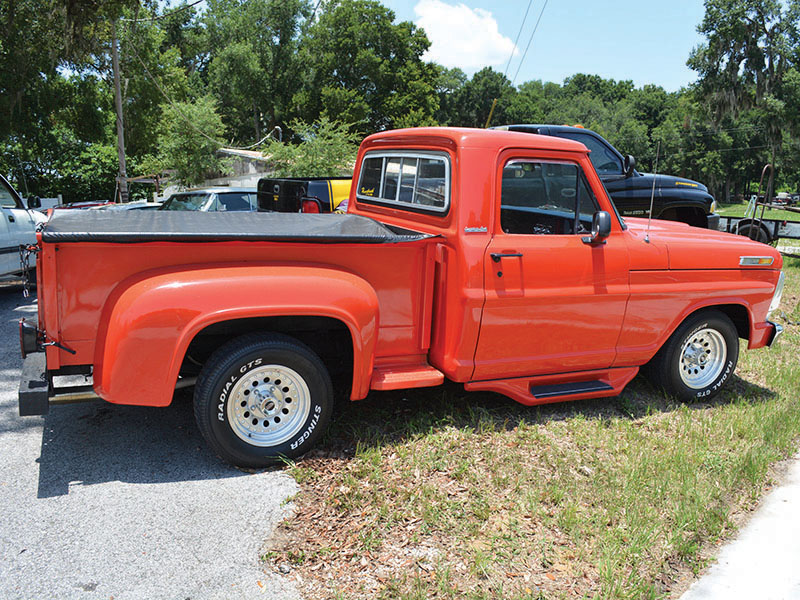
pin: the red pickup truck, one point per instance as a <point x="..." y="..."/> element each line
<point x="491" y="258"/>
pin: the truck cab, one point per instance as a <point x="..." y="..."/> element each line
<point x="675" y="199"/>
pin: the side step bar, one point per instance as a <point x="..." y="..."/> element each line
<point x="542" y="389"/>
<point x="568" y="389"/>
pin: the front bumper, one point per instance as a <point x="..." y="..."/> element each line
<point x="777" y="331"/>
<point x="764" y="333"/>
<point x="713" y="221"/>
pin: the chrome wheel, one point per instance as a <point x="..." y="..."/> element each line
<point x="268" y="405"/>
<point x="702" y="358"/>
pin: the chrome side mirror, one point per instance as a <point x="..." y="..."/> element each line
<point x="601" y="228"/>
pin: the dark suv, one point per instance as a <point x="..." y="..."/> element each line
<point x="676" y="198"/>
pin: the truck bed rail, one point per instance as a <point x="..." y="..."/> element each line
<point x="156" y="226"/>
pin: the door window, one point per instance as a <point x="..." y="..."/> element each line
<point x="545" y="198"/>
<point x="605" y="161"/>
<point x="7" y="199"/>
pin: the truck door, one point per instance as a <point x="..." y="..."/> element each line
<point x="554" y="303"/>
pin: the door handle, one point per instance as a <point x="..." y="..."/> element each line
<point x="496" y="256"/>
<point x="11" y="218"/>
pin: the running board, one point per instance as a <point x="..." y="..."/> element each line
<point x="543" y="389"/>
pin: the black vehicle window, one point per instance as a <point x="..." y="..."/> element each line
<point x="605" y="161"/>
<point x="543" y="198"/>
<point x="233" y="201"/>
<point x="371" y="177"/>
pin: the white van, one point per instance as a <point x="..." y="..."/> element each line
<point x="17" y="227"/>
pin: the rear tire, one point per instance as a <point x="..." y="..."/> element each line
<point x="698" y="358"/>
<point x="262" y="397"/>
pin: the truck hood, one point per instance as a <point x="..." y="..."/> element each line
<point x="669" y="181"/>
<point x="675" y="245"/>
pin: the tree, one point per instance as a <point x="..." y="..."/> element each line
<point x="356" y="46"/>
<point x="254" y="61"/>
<point x="325" y="149"/>
<point x="476" y="97"/>
<point x="188" y="139"/>
<point x="449" y="83"/>
<point x="750" y="45"/>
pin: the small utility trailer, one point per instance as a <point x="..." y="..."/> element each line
<point x="757" y="227"/>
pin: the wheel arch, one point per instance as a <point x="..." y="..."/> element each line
<point x="150" y="320"/>
<point x="328" y="337"/>
<point x="739" y="314"/>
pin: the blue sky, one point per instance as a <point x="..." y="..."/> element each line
<point x="647" y="41"/>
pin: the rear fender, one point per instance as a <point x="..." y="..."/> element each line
<point x="150" y="319"/>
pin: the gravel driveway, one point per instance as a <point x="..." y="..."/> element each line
<point x="102" y="501"/>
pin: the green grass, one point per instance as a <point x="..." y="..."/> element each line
<point x="440" y="493"/>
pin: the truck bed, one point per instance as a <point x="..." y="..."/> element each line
<point x="87" y="256"/>
<point x="204" y="227"/>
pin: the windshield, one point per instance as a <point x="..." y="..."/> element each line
<point x="186" y="202"/>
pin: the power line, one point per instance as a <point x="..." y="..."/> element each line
<point x="165" y="15"/>
<point x="183" y="115"/>
<point x="522" y="60"/>
<point x="514" y="47"/>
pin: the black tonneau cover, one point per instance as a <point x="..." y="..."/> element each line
<point x="187" y="226"/>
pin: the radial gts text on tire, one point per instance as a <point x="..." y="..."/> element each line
<point x="698" y="358"/>
<point x="260" y="397"/>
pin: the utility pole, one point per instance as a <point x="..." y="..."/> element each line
<point x="122" y="183"/>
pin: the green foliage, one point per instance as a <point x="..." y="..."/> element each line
<point x="326" y="149"/>
<point x="254" y="63"/>
<point x="269" y="62"/>
<point x="188" y="139"/>
<point x="356" y="46"/>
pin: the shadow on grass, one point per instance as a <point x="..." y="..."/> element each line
<point x="387" y="418"/>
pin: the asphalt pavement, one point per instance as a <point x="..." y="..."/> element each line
<point x="102" y="501"/>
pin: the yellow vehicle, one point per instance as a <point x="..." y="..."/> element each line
<point x="303" y="194"/>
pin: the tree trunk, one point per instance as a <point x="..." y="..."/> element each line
<point x="122" y="177"/>
<point x="256" y="123"/>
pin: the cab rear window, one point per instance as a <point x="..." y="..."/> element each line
<point x="414" y="181"/>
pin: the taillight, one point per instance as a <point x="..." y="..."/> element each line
<point x="28" y="338"/>
<point x="310" y="205"/>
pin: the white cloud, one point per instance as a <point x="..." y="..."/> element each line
<point x="461" y="36"/>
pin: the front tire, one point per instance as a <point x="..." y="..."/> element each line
<point x="699" y="357"/>
<point x="262" y="397"/>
